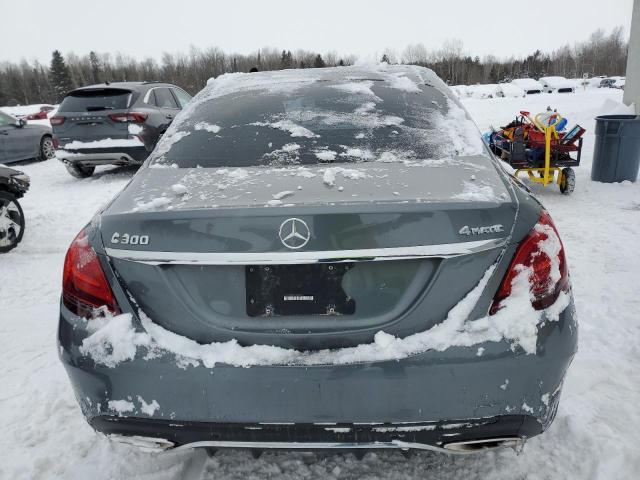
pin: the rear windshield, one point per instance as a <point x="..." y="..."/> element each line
<point x="6" y="119"/>
<point x="96" y="100"/>
<point x="359" y="120"/>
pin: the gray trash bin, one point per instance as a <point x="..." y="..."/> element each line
<point x="616" y="156"/>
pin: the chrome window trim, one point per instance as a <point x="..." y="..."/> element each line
<point x="333" y="256"/>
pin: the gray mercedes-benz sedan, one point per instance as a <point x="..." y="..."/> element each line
<point x="317" y="259"/>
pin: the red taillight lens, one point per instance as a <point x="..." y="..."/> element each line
<point x="57" y="120"/>
<point x="84" y="286"/>
<point x="542" y="254"/>
<point x="131" y="117"/>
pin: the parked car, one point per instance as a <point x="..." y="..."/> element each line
<point x="42" y="113"/>
<point x="13" y="185"/>
<point x="318" y="259"/>
<point x="612" y="82"/>
<point x="114" y="123"/>
<point x="22" y="141"/>
<point x="529" y="85"/>
<point x="557" y="85"/>
<point x="509" y="90"/>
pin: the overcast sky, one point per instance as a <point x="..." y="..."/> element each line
<point x="31" y="29"/>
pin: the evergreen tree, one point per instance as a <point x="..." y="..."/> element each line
<point x="319" y="62"/>
<point x="286" y="59"/>
<point x="95" y="67"/>
<point x="385" y="58"/>
<point x="60" y="76"/>
<point x="493" y="75"/>
<point x="341" y="63"/>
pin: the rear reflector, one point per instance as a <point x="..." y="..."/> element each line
<point x="84" y="287"/>
<point x="547" y="276"/>
<point x="57" y="120"/>
<point x="131" y="117"/>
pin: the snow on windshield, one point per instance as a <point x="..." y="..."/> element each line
<point x="250" y="119"/>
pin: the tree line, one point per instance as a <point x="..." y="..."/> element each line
<point x="32" y="82"/>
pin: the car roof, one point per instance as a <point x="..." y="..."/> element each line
<point x="403" y="77"/>
<point x="134" y="86"/>
<point x="6" y="172"/>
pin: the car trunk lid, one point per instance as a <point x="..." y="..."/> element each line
<point x="208" y="253"/>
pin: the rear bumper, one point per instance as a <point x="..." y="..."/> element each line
<point x="104" y="156"/>
<point x="499" y="393"/>
<point x="178" y="434"/>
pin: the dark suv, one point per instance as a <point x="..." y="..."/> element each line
<point x="113" y="123"/>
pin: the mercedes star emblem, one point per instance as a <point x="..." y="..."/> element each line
<point x="294" y="233"/>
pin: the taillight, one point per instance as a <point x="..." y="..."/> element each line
<point x="84" y="287"/>
<point x="131" y="117"/>
<point x="541" y="254"/>
<point x="57" y="120"/>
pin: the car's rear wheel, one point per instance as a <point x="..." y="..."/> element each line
<point x="79" y="171"/>
<point x="47" y="150"/>
<point x="11" y="222"/>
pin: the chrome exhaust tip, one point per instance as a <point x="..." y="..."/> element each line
<point x="148" y="444"/>
<point x="471" y="446"/>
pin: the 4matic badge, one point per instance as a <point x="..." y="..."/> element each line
<point x="467" y="230"/>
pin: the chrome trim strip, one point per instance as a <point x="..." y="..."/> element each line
<point x="394" y="444"/>
<point x="267" y="258"/>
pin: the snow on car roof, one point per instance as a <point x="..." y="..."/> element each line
<point x="510" y="90"/>
<point x="527" y="83"/>
<point x="557" y="82"/>
<point x="488" y="90"/>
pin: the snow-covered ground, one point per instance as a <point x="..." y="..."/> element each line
<point x="596" y="434"/>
